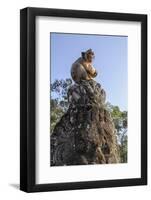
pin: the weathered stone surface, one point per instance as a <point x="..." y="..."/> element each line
<point x="86" y="133"/>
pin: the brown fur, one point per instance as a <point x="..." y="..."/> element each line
<point x="82" y="68"/>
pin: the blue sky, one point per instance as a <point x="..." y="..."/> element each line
<point x="110" y="61"/>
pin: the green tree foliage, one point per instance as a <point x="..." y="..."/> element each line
<point x="56" y="112"/>
<point x="58" y="101"/>
<point x="120" y="121"/>
<point x="59" y="105"/>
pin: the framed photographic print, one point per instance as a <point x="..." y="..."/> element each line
<point x="83" y="99"/>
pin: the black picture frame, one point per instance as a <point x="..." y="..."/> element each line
<point x="28" y="98"/>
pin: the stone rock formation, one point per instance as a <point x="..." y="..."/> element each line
<point x="85" y="134"/>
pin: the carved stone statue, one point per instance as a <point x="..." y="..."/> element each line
<point x="85" y="134"/>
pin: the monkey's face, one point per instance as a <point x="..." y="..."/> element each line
<point x="90" y="57"/>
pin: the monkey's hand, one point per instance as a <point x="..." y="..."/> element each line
<point x="93" y="75"/>
<point x="91" y="70"/>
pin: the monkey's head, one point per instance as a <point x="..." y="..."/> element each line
<point x="88" y="55"/>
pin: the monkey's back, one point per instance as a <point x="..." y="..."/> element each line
<point x="78" y="72"/>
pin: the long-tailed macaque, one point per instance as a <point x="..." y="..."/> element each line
<point x="82" y="68"/>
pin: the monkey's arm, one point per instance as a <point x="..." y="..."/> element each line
<point x="91" y="71"/>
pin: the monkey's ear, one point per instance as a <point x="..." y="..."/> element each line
<point x="83" y="55"/>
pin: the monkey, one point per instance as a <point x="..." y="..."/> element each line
<point x="82" y="68"/>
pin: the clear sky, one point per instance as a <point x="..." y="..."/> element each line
<point x="110" y="61"/>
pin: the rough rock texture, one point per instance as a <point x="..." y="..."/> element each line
<point x="86" y="133"/>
